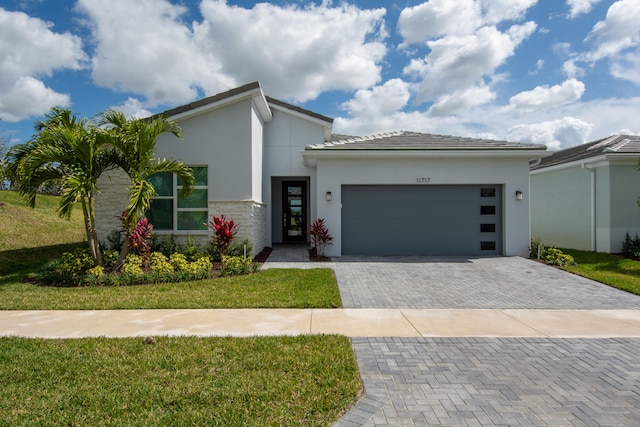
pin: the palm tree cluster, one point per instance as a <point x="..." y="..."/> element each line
<point x="78" y="151"/>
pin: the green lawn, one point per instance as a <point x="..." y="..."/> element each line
<point x="277" y="381"/>
<point x="307" y="380"/>
<point x="277" y="288"/>
<point x="31" y="237"/>
<point x="613" y="270"/>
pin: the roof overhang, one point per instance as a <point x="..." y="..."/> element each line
<point x="311" y="156"/>
<point x="606" y="159"/>
<point x="255" y="95"/>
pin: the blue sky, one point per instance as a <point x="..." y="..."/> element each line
<point x="555" y="72"/>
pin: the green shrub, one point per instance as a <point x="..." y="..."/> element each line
<point x="166" y="244"/>
<point x="75" y="263"/>
<point x="160" y="264"/>
<point x="631" y="246"/>
<point x="110" y="257"/>
<point x="554" y="256"/>
<point x="190" y="249"/>
<point x="132" y="265"/>
<point x="178" y="261"/>
<point x="115" y="240"/>
<point x="97" y="271"/>
<point x="549" y="254"/>
<point x="235" y="265"/>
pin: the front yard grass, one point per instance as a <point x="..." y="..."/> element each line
<point x="271" y="288"/>
<point x="610" y="269"/>
<point x="287" y="381"/>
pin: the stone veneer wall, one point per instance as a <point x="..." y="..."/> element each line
<point x="110" y="201"/>
<point x="251" y="217"/>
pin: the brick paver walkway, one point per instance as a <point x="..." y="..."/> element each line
<point x="486" y="381"/>
<point x="497" y="381"/>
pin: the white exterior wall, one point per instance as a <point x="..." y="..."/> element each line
<point x="222" y="140"/>
<point x="561" y="208"/>
<point x="285" y="138"/>
<point x="624" y="191"/>
<point x="513" y="174"/>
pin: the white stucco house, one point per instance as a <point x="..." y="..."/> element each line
<point x="274" y="167"/>
<point x="585" y="197"/>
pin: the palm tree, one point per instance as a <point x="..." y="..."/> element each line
<point x="65" y="149"/>
<point x="135" y="142"/>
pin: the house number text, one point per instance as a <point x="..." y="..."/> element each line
<point x="423" y="180"/>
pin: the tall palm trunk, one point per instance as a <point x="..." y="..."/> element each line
<point x="90" y="228"/>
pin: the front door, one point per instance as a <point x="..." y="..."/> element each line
<point x="294" y="211"/>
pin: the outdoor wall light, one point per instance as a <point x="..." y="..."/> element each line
<point x="518" y="195"/>
<point x="329" y="196"/>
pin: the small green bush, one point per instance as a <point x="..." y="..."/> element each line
<point x="75" y="263"/>
<point x="178" y="261"/>
<point x="631" y="246"/>
<point x="132" y="265"/>
<point x="160" y="264"/>
<point x="166" y="244"/>
<point x="549" y="254"/>
<point x="235" y="265"/>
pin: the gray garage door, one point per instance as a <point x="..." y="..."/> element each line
<point x="422" y="220"/>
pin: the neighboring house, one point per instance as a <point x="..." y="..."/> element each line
<point x="274" y="168"/>
<point x="585" y="197"/>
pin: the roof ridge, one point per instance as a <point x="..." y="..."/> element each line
<point x="618" y="145"/>
<point x="604" y="142"/>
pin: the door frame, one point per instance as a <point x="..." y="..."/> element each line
<point x="285" y="210"/>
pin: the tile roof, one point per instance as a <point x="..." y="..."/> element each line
<point x="622" y="144"/>
<point x="291" y="107"/>
<point x="237" y="91"/>
<point x="209" y="100"/>
<point x="404" y="140"/>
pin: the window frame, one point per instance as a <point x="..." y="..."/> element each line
<point x="175" y="197"/>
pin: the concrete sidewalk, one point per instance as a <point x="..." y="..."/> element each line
<point x="350" y="322"/>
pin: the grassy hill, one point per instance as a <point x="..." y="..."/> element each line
<point x="29" y="237"/>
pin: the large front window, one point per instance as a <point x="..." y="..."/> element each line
<point x="171" y="212"/>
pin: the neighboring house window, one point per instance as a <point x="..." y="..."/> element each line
<point x="171" y="212"/>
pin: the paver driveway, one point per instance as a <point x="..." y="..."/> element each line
<point x="487" y="381"/>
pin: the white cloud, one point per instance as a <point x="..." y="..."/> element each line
<point x="578" y="7"/>
<point x="133" y="108"/>
<point x="29" y="51"/>
<point x="619" y="31"/>
<point x="438" y="18"/>
<point x="501" y="10"/>
<point x="546" y="97"/>
<point x="380" y="100"/>
<point x="27" y="98"/>
<point x="151" y="53"/>
<point x="556" y="134"/>
<point x="461" y="100"/>
<point x="296" y="53"/>
<point x="461" y="62"/>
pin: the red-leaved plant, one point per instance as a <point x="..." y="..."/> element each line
<point x="223" y="233"/>
<point x="138" y="238"/>
<point x="320" y="237"/>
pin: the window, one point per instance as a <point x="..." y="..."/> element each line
<point x="169" y="211"/>
<point x="487" y="228"/>
<point x="487" y="192"/>
<point x="487" y="210"/>
<point x="487" y="246"/>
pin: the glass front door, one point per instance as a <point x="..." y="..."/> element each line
<point x="294" y="211"/>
